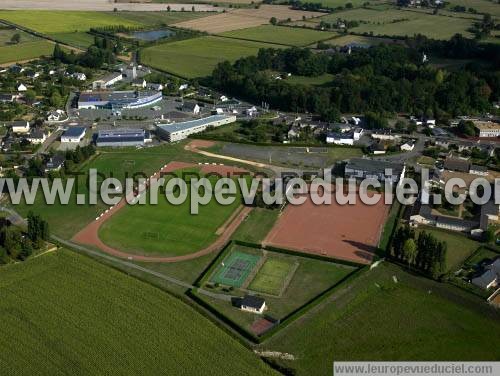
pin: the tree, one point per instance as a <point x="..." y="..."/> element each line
<point x="410" y="251"/>
<point x="168" y="8"/>
<point x="16" y="38"/>
<point x="273" y="21"/>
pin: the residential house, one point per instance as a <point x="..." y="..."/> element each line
<point x="253" y="304"/>
<point x="139" y="82"/>
<point x="55" y="163"/>
<point x="357" y="133"/>
<point x="490" y="277"/>
<point x="339" y="138"/>
<point x="73" y="134"/>
<point x="385" y="135"/>
<point x="36" y="136"/>
<point x="408" y="146"/>
<point x="191" y="107"/>
<point x="478" y="170"/>
<point x="107" y="81"/>
<point x="21" y="88"/>
<point x="456" y="164"/>
<point x="79" y="76"/>
<point x="157" y="87"/>
<point x="487" y="128"/>
<point x="363" y="168"/>
<point x="7" y="98"/>
<point x="378" y="148"/>
<point x="56" y="115"/>
<point x="20" y="126"/>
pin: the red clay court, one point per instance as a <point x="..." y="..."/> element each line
<point x="348" y="232"/>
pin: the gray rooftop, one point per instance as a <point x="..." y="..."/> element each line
<point x="373" y="165"/>
<point x="185" y="125"/>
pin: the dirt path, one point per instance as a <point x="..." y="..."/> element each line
<point x="90" y="234"/>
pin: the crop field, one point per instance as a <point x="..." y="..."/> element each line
<point x="245" y="18"/>
<point x="280" y="35"/>
<point x="198" y="57"/>
<point x="342" y="3"/>
<point x="165" y="229"/>
<point x="64" y="21"/>
<point x="372" y="16"/>
<point x="271" y="277"/>
<point x="69" y="314"/>
<point x="25" y="51"/>
<point x="448" y="322"/>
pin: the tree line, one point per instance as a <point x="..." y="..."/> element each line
<point x="18" y="244"/>
<point x="423" y="252"/>
<point x="378" y="79"/>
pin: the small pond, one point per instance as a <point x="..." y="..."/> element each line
<point x="152" y="35"/>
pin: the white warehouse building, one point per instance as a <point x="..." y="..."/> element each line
<point x="179" y="131"/>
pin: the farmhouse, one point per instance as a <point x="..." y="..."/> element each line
<point x="179" y="131"/>
<point x="487" y="128"/>
<point x="121" y="137"/>
<point x="253" y="304"/>
<point x="107" y="81"/>
<point x="73" y="134"/>
<point x="118" y="99"/>
<point x="20" y="127"/>
<point x="361" y="168"/>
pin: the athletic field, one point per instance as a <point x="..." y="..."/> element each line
<point x="272" y="276"/>
<point x="235" y="269"/>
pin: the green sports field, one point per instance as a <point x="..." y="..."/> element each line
<point x="235" y="269"/>
<point x="25" y="51"/>
<point x="379" y="319"/>
<point x="289" y="36"/>
<point x="63" y="313"/>
<point x="165" y="229"/>
<point x="271" y="277"/>
<point x="198" y="57"/>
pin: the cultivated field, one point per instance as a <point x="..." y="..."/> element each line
<point x="348" y="232"/>
<point x="244" y="18"/>
<point x="379" y="319"/>
<point x="280" y="35"/>
<point x="65" y="313"/>
<point x="372" y="16"/>
<point x="198" y="57"/>
<point x="25" y="51"/>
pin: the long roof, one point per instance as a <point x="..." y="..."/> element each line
<point x="373" y="165"/>
<point x="74" y="131"/>
<point x="185" y="125"/>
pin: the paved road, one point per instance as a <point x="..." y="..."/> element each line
<point x="17" y="219"/>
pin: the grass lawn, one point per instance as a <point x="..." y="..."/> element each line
<point x="482" y="6"/>
<point x="280" y="35"/>
<point x="166" y="229"/>
<point x="482" y="254"/>
<point x="25" y="51"/>
<point x="324" y="79"/>
<point x="79" y="39"/>
<point x="65" y="313"/>
<point x="378" y="319"/>
<point x="459" y="246"/>
<point x="198" y="57"/>
<point x="256" y="226"/>
<point x="158" y="18"/>
<point x="371" y="41"/>
<point x="55" y="21"/>
<point x="272" y="275"/>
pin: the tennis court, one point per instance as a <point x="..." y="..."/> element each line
<point x="235" y="269"/>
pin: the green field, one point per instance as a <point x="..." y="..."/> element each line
<point x="79" y="39"/>
<point x="235" y="268"/>
<point x="6" y="36"/>
<point x="165" y="229"/>
<point x="459" y="246"/>
<point x="56" y="21"/>
<point x="66" y="220"/>
<point x="25" y="51"/>
<point x="63" y="313"/>
<point x="324" y="79"/>
<point x="342" y="3"/>
<point x="482" y="6"/>
<point x="372" y="16"/>
<point x="272" y="276"/>
<point x="378" y="319"/>
<point x="371" y="41"/>
<point x="159" y="18"/>
<point x="198" y="57"/>
<point x="289" y="36"/>
<point x="256" y="226"/>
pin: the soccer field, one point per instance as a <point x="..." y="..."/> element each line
<point x="198" y="57"/>
<point x="63" y="313"/>
<point x="165" y="229"/>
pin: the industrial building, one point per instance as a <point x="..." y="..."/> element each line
<point x="179" y="131"/>
<point x="122" y="137"/>
<point x="118" y="99"/>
